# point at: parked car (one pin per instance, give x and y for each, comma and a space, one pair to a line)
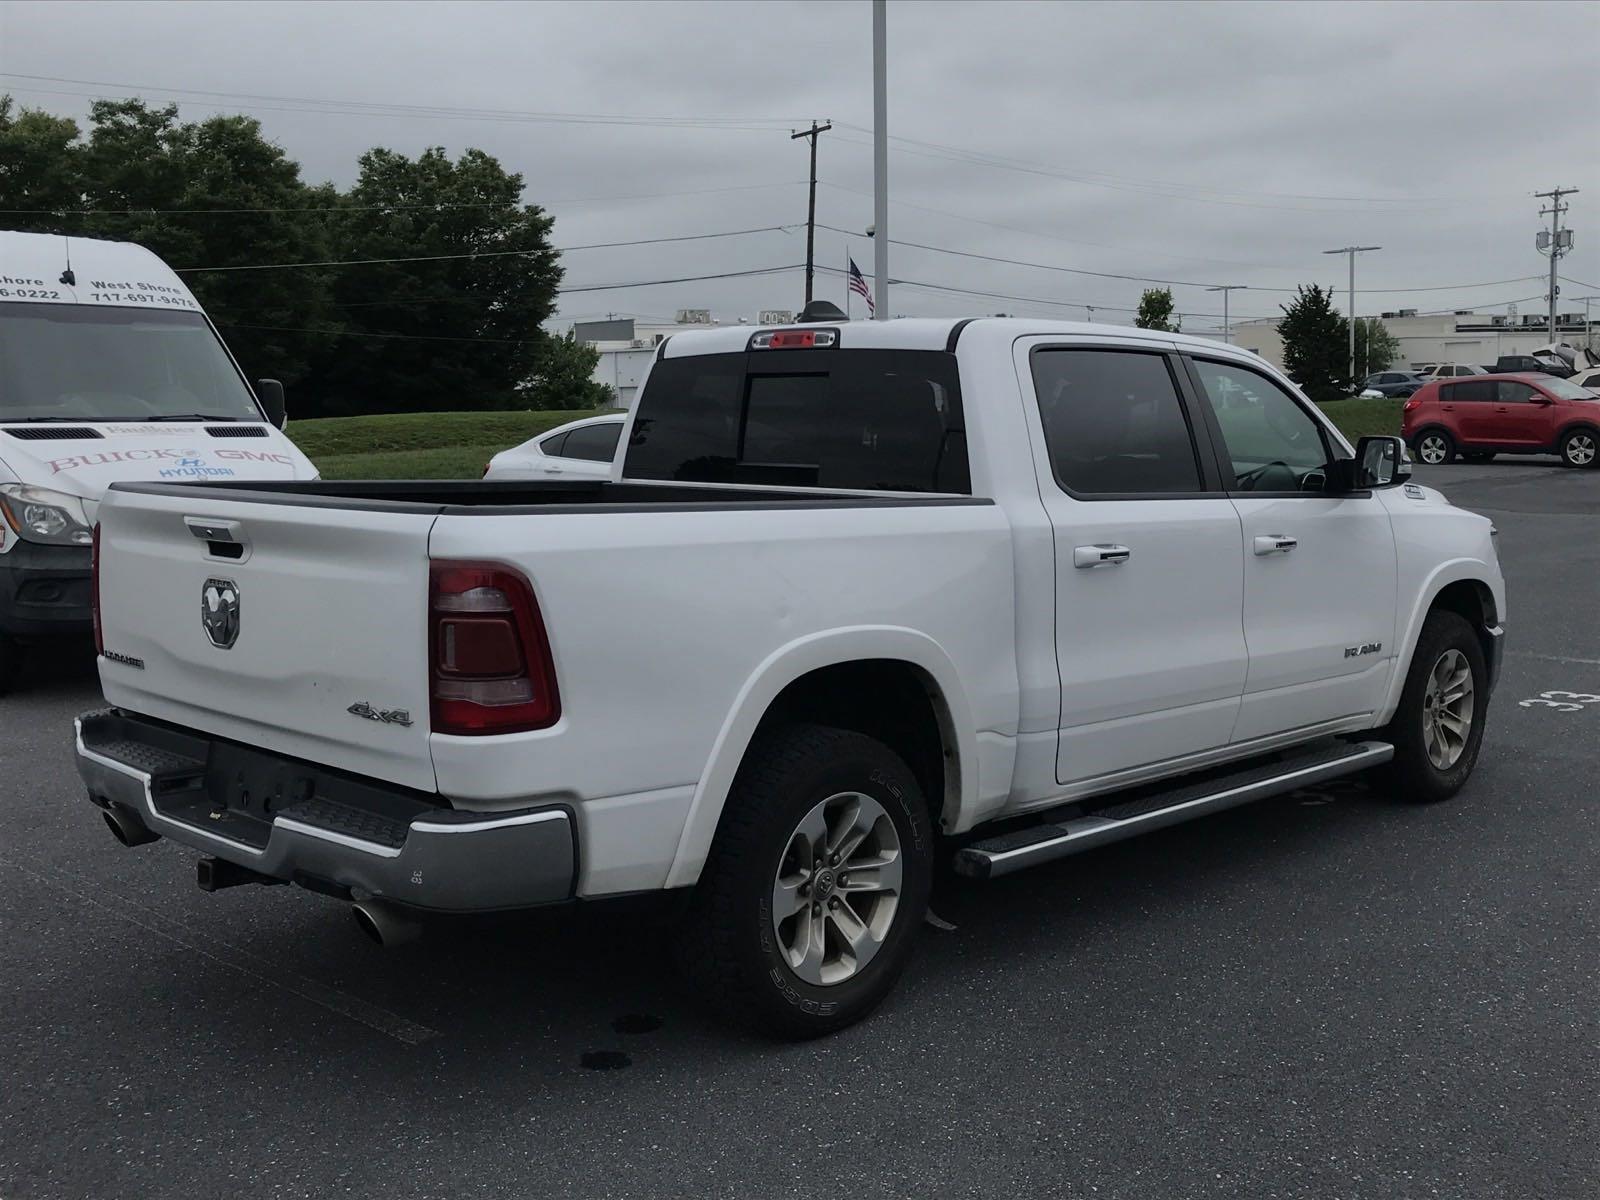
1547, 364
109, 369
1450, 371
1391, 383
1589, 378
861, 594
576, 450
1503, 414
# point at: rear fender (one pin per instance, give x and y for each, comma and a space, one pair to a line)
776, 673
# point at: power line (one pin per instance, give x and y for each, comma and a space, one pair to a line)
1091, 177
377, 108
599, 287
1017, 262
1035, 233
337, 208
367, 262
1071, 177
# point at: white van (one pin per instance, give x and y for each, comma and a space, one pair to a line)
109, 370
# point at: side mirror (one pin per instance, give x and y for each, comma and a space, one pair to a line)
1381, 462
270, 393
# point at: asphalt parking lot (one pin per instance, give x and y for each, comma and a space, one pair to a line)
1324, 996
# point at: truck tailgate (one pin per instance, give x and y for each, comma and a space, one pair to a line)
309, 640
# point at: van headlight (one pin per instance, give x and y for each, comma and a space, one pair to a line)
41, 515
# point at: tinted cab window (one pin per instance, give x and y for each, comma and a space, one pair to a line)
1272, 443
1113, 423
873, 420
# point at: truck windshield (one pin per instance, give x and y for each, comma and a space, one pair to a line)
79, 362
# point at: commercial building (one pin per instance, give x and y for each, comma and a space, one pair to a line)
1476, 339
627, 344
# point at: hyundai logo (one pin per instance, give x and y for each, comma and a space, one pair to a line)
219, 611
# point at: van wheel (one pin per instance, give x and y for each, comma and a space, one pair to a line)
1580, 448
10, 662
816, 886
1438, 728
1435, 447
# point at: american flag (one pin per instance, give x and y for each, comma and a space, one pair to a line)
858, 285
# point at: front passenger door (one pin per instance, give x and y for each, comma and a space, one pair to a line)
1519, 419
1319, 570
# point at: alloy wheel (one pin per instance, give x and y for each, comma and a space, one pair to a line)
1447, 708
1581, 449
1432, 449
837, 889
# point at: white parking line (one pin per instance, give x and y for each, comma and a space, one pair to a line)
1560, 658
242, 961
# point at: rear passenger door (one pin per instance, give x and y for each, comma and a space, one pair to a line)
1148, 561
1319, 570
1472, 404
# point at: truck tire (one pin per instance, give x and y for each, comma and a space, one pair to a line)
10, 662
779, 936
1580, 448
1438, 728
1435, 447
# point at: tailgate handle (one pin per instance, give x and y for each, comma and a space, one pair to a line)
223, 539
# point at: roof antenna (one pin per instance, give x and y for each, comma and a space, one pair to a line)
67, 277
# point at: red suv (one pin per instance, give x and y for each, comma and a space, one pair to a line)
1484, 415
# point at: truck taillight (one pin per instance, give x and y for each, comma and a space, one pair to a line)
489, 656
94, 588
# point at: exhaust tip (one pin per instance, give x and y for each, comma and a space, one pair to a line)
383, 923
128, 829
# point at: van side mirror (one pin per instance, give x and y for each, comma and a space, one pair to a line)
270, 393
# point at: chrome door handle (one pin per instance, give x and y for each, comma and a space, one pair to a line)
1100, 555
1275, 543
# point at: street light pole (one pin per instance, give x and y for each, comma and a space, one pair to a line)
1352, 251
1227, 331
880, 160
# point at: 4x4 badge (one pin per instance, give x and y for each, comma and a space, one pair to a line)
389, 716
219, 611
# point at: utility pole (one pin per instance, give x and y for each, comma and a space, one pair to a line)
1555, 243
1227, 328
811, 207
1352, 251
880, 159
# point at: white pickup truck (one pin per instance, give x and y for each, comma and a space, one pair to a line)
856, 596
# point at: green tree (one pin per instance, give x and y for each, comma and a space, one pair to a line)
563, 376
39, 169
1155, 310
457, 326
1315, 337
1376, 347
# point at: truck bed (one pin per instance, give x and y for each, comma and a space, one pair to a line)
510, 497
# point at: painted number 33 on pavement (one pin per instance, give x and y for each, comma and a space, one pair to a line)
1561, 701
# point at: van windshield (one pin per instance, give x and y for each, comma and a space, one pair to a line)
77, 362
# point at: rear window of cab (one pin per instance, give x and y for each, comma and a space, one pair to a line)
860, 420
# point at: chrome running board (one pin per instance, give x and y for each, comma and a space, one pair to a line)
1145, 809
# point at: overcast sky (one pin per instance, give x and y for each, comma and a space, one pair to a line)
1204, 143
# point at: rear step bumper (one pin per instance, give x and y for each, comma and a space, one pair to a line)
320, 829
1146, 810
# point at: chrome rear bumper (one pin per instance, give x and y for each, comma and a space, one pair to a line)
362, 836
